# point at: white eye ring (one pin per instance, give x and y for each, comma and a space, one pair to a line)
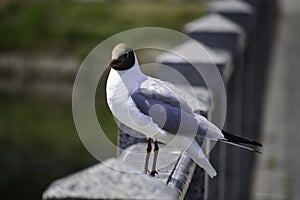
126, 54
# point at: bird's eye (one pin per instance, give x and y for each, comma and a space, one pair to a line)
126, 54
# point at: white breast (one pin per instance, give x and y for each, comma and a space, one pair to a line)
120, 85
116, 93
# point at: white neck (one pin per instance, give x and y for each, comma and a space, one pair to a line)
131, 78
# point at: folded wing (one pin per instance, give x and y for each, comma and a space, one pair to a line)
170, 112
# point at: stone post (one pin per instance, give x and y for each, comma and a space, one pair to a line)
222, 59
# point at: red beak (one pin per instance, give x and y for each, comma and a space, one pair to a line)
112, 63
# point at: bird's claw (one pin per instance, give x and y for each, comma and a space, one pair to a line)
153, 173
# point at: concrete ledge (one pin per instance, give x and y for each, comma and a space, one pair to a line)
201, 58
122, 178
217, 31
240, 12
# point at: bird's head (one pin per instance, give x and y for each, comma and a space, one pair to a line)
123, 57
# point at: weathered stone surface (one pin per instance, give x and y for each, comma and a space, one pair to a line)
213, 22
238, 11
196, 188
182, 174
231, 6
194, 53
188, 60
122, 178
217, 31
134, 156
102, 181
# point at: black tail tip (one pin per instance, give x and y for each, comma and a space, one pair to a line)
236, 139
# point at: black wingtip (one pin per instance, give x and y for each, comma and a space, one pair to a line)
255, 143
258, 151
240, 145
236, 139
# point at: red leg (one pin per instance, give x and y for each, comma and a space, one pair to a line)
153, 171
149, 148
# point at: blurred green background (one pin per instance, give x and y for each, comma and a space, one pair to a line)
42, 43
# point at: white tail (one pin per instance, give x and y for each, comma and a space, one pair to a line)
196, 153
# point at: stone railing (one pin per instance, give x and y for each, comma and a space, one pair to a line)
238, 36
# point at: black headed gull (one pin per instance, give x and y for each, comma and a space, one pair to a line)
148, 106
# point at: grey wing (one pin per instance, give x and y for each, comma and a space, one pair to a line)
157, 89
161, 104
